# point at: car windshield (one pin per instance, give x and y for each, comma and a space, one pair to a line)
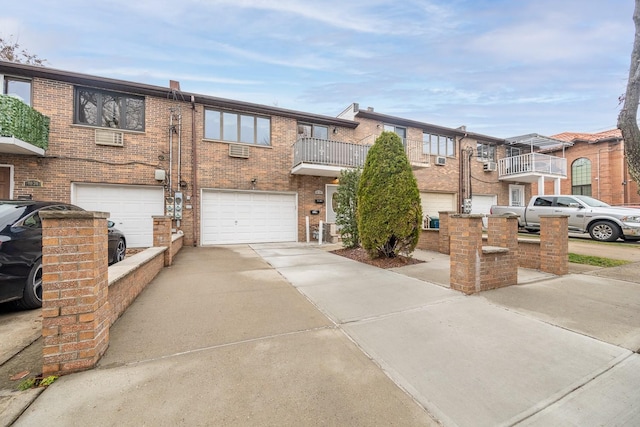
10, 213
590, 201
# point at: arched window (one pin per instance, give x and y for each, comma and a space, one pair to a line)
581, 177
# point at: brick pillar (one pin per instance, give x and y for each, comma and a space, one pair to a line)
444, 235
465, 235
501, 269
162, 236
554, 244
502, 231
75, 283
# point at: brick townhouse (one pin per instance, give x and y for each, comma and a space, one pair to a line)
597, 167
229, 171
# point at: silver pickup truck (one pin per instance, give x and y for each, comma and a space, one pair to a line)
586, 215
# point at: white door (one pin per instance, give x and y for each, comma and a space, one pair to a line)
331, 204
481, 204
230, 217
516, 195
131, 207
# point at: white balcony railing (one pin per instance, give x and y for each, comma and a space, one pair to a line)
345, 154
533, 163
329, 153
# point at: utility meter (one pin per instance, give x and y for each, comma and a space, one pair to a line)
178, 205
169, 206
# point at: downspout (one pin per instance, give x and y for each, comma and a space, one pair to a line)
461, 178
194, 166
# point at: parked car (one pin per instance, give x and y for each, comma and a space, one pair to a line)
586, 215
21, 249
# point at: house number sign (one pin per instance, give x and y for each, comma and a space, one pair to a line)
33, 183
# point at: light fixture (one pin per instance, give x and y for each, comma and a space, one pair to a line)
335, 130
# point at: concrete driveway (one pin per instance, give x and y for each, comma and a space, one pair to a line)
289, 334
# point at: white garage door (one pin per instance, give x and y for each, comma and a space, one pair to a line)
481, 204
130, 207
248, 217
432, 203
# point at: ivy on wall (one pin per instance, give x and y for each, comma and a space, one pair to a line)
20, 121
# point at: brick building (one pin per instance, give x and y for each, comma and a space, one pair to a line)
597, 167
226, 171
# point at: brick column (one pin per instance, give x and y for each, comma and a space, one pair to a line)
75, 306
501, 268
162, 236
465, 235
554, 244
444, 244
502, 231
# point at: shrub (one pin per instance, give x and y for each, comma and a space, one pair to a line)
389, 211
346, 209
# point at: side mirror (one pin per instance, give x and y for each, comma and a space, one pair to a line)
575, 205
110, 224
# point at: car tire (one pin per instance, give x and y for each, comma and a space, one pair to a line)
121, 251
604, 231
32, 294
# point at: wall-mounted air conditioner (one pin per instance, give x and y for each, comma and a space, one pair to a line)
241, 151
109, 137
490, 166
441, 160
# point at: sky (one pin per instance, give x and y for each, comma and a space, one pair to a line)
499, 67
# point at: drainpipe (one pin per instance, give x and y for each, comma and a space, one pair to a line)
194, 166
461, 175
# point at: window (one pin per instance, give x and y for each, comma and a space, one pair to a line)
236, 127
486, 152
513, 151
109, 109
307, 130
18, 88
543, 201
438, 145
401, 132
581, 177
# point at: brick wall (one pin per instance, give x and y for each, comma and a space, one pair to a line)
82, 296
529, 254
607, 172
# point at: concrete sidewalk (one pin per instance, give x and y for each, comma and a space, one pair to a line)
221, 338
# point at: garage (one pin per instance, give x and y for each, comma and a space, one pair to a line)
432, 203
230, 217
481, 204
131, 207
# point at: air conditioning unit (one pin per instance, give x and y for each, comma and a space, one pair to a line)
441, 160
490, 166
109, 137
241, 151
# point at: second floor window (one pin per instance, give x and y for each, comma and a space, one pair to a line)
19, 88
486, 152
438, 145
401, 132
109, 109
236, 127
308, 130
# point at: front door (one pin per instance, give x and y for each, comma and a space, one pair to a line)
516, 195
5, 183
331, 202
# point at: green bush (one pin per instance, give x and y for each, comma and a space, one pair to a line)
346, 209
389, 210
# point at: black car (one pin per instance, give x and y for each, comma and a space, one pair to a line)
21, 249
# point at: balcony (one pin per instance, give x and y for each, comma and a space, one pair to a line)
321, 157
23, 130
532, 167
